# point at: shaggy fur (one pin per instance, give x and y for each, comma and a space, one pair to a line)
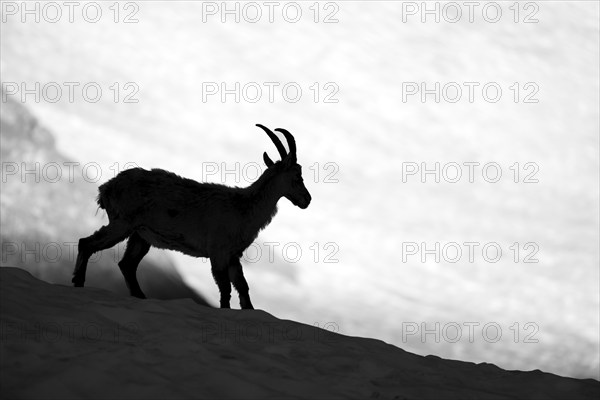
159, 208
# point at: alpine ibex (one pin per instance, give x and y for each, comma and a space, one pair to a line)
161, 209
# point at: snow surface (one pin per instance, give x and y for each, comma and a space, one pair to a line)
65, 342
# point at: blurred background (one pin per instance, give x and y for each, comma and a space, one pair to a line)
154, 85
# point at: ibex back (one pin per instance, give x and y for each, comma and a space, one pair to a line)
161, 209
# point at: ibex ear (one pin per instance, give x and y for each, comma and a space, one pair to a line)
267, 160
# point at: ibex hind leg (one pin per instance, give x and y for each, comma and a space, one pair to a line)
104, 238
236, 276
137, 248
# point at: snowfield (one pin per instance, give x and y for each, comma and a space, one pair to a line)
64, 342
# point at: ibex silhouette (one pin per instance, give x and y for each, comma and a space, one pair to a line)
161, 209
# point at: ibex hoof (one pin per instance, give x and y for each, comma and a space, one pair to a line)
77, 282
246, 305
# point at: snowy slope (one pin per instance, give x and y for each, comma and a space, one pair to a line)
87, 343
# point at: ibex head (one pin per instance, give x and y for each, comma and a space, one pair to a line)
288, 173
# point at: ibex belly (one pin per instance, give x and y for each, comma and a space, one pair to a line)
175, 240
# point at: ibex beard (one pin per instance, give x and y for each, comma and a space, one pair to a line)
161, 209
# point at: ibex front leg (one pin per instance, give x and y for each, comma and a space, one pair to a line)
103, 238
219, 272
236, 276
